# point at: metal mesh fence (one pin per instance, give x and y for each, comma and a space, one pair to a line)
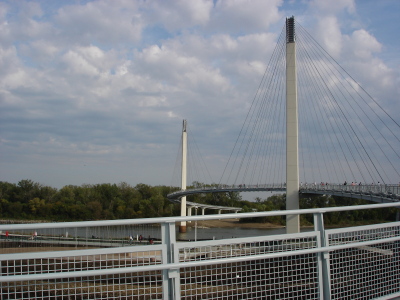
293, 277
107, 286
58, 239
286, 277
116, 286
365, 272
194, 251
112, 262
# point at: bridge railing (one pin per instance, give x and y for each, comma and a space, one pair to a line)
228, 188
100, 260
389, 191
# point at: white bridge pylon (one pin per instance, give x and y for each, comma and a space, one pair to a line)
186, 207
182, 227
292, 131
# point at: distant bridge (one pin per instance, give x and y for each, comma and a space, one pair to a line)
203, 207
326, 128
374, 193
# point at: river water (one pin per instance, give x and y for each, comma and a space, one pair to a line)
226, 233
153, 231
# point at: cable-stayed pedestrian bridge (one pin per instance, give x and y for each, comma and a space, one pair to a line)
309, 121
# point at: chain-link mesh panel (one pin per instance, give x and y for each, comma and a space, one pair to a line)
60, 239
146, 285
365, 272
293, 277
288, 277
109, 286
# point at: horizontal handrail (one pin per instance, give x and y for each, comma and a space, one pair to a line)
194, 218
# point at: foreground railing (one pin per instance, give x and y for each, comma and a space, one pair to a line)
109, 260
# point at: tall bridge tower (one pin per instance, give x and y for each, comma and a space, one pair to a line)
182, 226
292, 133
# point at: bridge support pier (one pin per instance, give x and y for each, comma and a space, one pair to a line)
189, 212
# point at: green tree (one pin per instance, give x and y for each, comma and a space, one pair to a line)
95, 210
144, 190
36, 206
16, 210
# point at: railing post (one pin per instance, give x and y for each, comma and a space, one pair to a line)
323, 259
171, 277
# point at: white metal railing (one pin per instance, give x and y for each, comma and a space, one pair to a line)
374, 189
100, 260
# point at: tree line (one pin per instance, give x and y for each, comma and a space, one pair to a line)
28, 200
343, 218
31, 200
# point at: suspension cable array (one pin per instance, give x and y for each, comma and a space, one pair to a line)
344, 134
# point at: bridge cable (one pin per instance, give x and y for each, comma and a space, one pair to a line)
349, 124
255, 128
260, 149
361, 136
194, 156
353, 80
361, 108
245, 127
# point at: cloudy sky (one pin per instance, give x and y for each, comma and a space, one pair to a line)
96, 91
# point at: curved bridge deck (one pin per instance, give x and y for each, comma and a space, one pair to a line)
375, 193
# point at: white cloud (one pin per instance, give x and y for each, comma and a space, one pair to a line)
115, 22
79, 65
330, 34
185, 72
9, 61
363, 44
333, 7
40, 51
24, 25
243, 16
177, 15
